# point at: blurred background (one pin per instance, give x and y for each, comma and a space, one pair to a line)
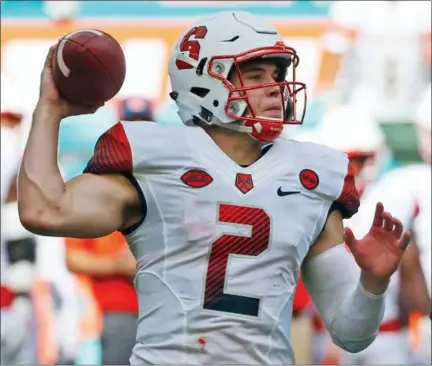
367, 66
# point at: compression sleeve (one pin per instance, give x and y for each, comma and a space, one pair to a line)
351, 315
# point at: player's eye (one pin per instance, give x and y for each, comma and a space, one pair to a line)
256, 77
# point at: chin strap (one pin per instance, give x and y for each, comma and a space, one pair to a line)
262, 131
265, 131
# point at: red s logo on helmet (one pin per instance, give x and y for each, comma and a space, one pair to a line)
191, 46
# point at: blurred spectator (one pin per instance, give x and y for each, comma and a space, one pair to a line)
29, 319
111, 266
135, 109
62, 11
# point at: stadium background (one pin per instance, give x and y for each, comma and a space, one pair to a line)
147, 31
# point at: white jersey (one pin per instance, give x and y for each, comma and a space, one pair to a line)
385, 66
220, 249
406, 193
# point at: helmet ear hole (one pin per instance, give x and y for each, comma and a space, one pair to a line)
201, 92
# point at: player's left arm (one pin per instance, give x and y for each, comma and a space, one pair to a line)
350, 300
351, 313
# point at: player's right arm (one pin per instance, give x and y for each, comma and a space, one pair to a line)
87, 206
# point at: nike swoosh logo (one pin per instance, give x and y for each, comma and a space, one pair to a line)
285, 193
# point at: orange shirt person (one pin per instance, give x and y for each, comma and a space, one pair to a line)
110, 266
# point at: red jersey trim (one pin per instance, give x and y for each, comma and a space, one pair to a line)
348, 202
112, 154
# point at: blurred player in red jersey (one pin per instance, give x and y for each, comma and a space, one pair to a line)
220, 215
407, 190
360, 136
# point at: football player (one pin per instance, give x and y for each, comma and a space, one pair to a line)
360, 136
407, 191
222, 214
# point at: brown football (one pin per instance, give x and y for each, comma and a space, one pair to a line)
89, 67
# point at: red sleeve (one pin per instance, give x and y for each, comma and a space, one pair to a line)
348, 202
112, 153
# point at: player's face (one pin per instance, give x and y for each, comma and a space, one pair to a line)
266, 101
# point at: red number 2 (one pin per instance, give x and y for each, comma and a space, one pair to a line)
191, 46
215, 298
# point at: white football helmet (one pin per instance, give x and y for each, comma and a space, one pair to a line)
351, 130
354, 131
203, 59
